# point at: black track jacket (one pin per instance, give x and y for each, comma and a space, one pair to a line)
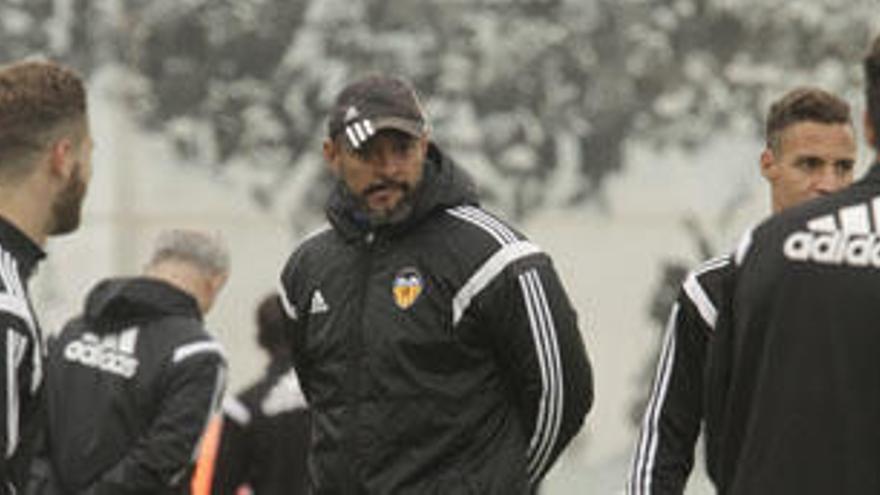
671, 423
21, 365
439, 355
793, 377
131, 385
264, 441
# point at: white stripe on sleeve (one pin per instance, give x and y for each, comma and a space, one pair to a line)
236, 410
188, 350
487, 273
543, 327
15, 348
643, 463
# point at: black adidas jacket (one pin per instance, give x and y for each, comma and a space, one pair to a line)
131, 385
664, 454
21, 377
265, 437
438, 355
793, 375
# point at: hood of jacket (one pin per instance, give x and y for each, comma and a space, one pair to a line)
444, 185
115, 303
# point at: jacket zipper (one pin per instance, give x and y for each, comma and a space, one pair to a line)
355, 370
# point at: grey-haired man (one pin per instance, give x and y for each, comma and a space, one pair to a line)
133, 380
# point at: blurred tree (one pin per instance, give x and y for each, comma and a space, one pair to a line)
537, 97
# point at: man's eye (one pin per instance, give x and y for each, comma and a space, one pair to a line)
810, 163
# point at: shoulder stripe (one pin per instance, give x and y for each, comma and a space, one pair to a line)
286, 304
712, 264
549, 421
646, 451
743, 247
698, 296
188, 350
487, 273
236, 411
478, 217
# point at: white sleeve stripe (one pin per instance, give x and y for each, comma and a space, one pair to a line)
701, 300
188, 350
236, 411
213, 409
487, 273
289, 308
643, 463
559, 396
542, 365
553, 393
744, 244
15, 348
480, 218
15, 302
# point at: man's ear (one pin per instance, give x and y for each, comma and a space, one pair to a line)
331, 156
61, 157
870, 132
768, 164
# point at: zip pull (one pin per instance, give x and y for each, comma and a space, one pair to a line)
370, 237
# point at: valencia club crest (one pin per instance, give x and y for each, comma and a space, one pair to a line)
407, 287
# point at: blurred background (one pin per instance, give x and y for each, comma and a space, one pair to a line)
622, 135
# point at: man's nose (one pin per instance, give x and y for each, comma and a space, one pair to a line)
386, 163
828, 180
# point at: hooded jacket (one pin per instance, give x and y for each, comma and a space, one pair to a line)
131, 385
439, 354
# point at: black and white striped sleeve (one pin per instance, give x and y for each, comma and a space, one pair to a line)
544, 355
20, 364
190, 397
664, 454
519, 300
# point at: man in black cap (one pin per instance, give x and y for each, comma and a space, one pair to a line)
793, 373
435, 344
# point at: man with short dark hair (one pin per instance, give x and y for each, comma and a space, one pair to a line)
133, 380
436, 345
45, 167
810, 151
793, 375
265, 429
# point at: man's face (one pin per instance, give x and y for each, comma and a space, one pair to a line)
810, 160
67, 205
383, 174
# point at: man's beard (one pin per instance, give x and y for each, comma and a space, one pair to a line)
395, 214
67, 206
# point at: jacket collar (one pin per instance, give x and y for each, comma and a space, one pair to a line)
26, 252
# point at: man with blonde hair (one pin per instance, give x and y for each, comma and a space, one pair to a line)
45, 167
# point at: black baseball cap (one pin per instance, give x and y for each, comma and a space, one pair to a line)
374, 103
